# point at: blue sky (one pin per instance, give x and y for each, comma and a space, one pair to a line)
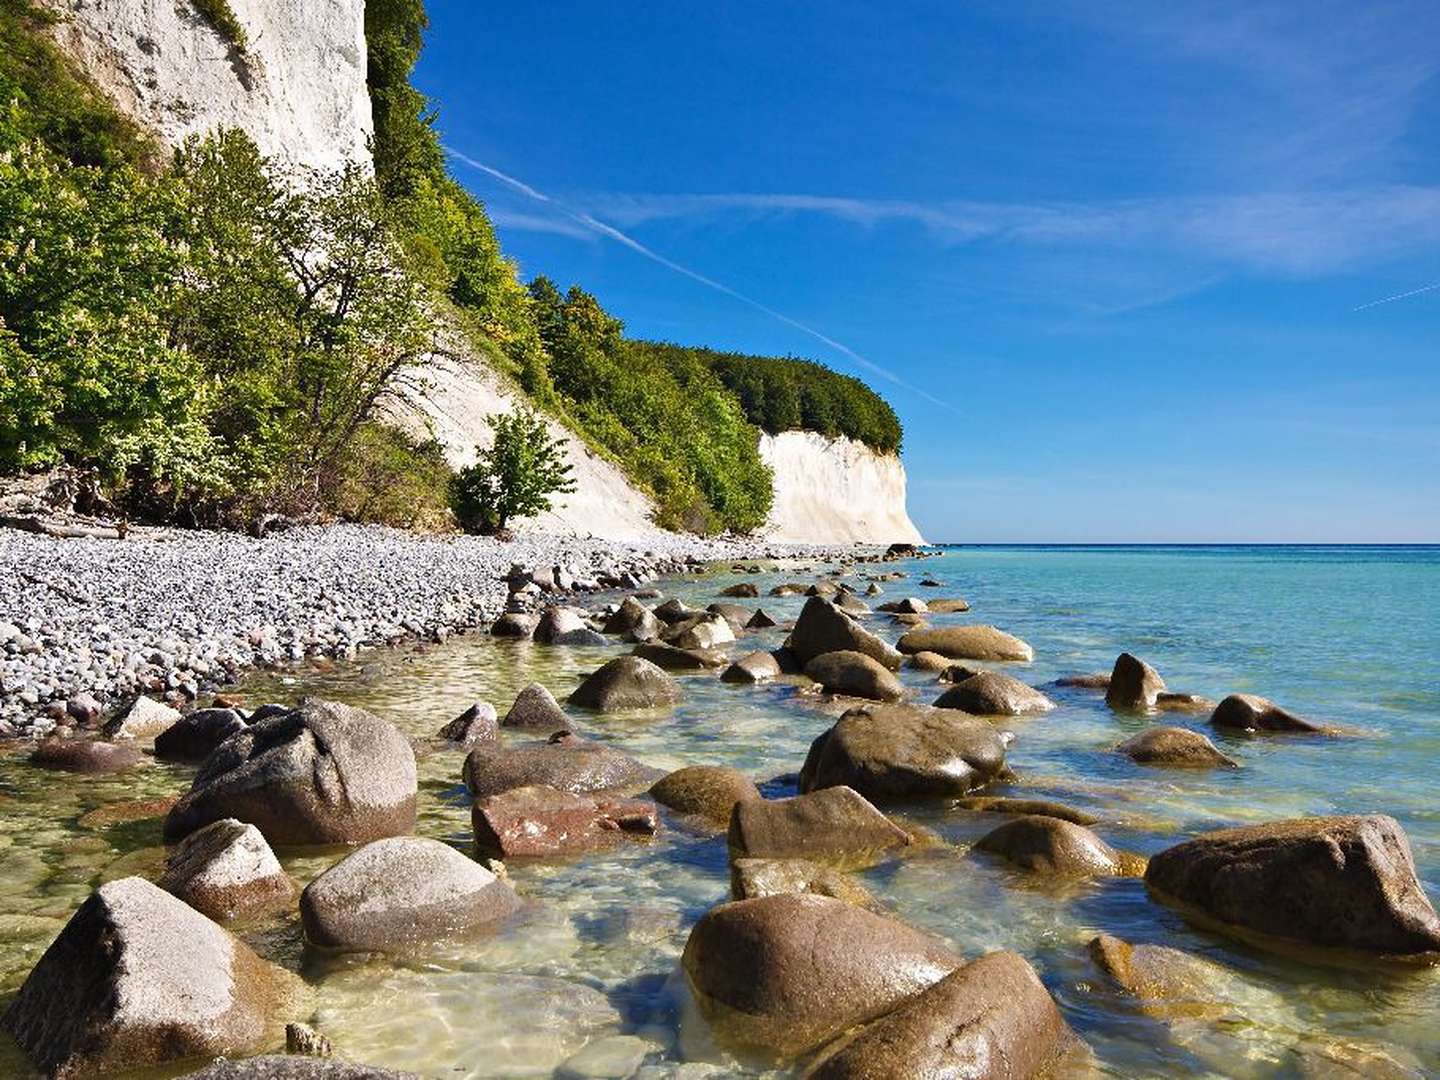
1105, 259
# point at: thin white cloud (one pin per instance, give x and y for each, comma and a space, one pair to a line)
599, 227
1399, 296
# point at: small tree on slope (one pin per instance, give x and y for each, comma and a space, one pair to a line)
514, 478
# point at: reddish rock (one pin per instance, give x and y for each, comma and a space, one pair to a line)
539, 821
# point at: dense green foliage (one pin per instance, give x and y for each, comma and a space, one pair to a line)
514, 477
220, 15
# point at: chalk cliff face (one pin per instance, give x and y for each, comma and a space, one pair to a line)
836, 491
298, 89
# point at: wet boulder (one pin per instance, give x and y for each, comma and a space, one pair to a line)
227, 871
515, 624
402, 892
760, 620
539, 821
836, 825
565, 762
705, 791
929, 661
1049, 845
1134, 684
85, 756
673, 658
856, 675
557, 623
635, 619
948, 606
535, 710
1177, 747
737, 616
1095, 680
478, 724
823, 627
627, 682
674, 611
1000, 804
967, 643
1249, 712
903, 752
744, 590
992, 1019
194, 736
755, 667
911, 605
781, 975
138, 979
144, 719
1166, 982
1184, 703
1344, 883
706, 631
323, 773
753, 878
990, 693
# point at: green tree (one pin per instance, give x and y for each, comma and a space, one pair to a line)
514, 477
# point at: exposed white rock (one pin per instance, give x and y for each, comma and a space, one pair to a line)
298, 88
832, 491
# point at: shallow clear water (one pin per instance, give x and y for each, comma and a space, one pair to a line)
1350, 636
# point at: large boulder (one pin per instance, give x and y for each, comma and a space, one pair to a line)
903, 752
478, 724
402, 892
535, 710
565, 762
745, 589
1249, 712
1334, 882
706, 631
557, 624
540, 821
966, 643
673, 658
991, 1020
755, 667
675, 610
753, 878
627, 682
137, 979
911, 605
515, 624
1175, 746
823, 628
323, 773
227, 871
834, 825
704, 791
856, 675
1051, 845
990, 693
145, 719
196, 735
1134, 684
781, 975
85, 756
635, 619
736, 615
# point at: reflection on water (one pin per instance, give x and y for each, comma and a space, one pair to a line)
1346, 637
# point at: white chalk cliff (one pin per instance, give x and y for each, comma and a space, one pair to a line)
836, 490
299, 91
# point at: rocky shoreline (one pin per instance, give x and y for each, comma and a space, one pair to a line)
87, 624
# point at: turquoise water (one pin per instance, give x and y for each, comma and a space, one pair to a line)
1348, 636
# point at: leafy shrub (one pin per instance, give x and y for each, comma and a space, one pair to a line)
514, 477
220, 15
386, 477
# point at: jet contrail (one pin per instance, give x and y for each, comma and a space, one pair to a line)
601, 228
1399, 296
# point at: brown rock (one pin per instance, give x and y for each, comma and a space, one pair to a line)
633, 618
565, 762
707, 791
627, 682
989, 693
1177, 747
673, 658
1134, 684
928, 661
833, 825
948, 607
85, 756
967, 643
705, 631
540, 821
515, 624
856, 675
911, 605
745, 589
1098, 680
195, 736
753, 878
780, 975
760, 620
1168, 983
1187, 703
1345, 883
477, 724
991, 1020
227, 871
1248, 712
999, 804
145, 719
823, 627
1051, 845
755, 667
536, 710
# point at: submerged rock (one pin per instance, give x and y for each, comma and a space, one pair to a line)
755, 667
566, 762
536, 710
1050, 845
911, 605
627, 682
999, 804
673, 658
707, 791
738, 617
1333, 882
1187, 703
901, 752
834, 825
929, 661
402, 892
138, 979
992, 1019
753, 878
477, 724
704, 631
967, 643
856, 675
540, 821
745, 589
227, 871
85, 756
1168, 983
989, 693
823, 628
1096, 680
323, 773
1249, 712
292, 1067
948, 606
1174, 746
1134, 684
781, 975
196, 735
